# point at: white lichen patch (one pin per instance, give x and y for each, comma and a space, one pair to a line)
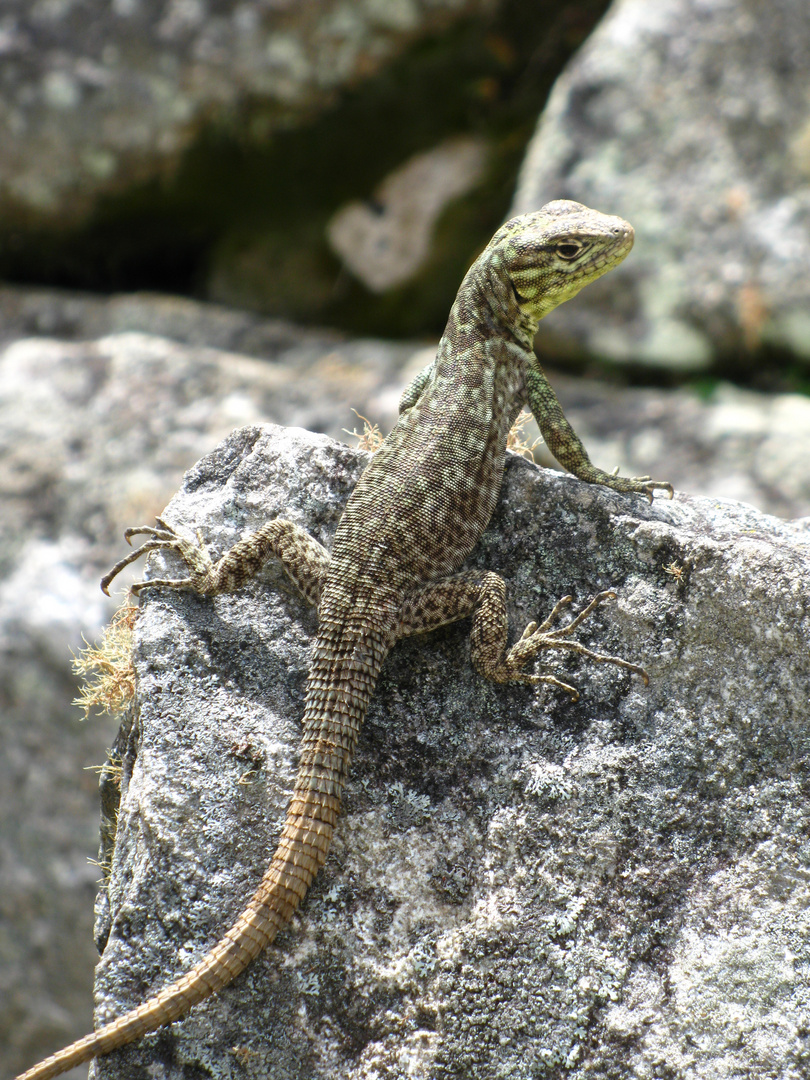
548, 781
565, 923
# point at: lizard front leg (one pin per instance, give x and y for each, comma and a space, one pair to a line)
413, 391
305, 560
482, 594
566, 445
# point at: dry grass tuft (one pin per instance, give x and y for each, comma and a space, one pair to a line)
106, 670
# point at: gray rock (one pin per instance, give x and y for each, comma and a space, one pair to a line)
518, 883
734, 443
98, 97
689, 118
204, 147
48, 797
75, 316
93, 433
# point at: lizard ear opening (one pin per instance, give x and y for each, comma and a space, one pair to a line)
521, 299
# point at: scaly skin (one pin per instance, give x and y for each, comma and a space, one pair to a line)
396, 562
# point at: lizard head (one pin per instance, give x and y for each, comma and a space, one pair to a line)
549, 255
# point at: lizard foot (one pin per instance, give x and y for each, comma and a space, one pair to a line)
536, 638
165, 537
639, 485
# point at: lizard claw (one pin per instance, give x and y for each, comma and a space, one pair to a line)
165, 536
636, 485
534, 680
164, 531
537, 638
645, 485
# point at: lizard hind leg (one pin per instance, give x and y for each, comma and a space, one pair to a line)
495, 661
482, 594
305, 560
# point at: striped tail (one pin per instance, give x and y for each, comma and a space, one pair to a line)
337, 697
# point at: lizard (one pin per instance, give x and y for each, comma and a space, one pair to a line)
396, 562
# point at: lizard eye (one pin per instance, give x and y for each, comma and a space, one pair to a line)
569, 249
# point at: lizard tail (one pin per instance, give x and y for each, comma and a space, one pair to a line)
332, 722
301, 852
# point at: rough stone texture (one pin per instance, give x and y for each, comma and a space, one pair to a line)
98, 95
691, 118
733, 443
202, 146
520, 885
48, 802
75, 316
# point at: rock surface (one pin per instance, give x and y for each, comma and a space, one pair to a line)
690, 118
217, 149
731, 442
519, 884
95, 436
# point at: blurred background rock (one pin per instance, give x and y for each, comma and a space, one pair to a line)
218, 212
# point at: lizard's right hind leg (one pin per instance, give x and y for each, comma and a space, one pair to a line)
482, 594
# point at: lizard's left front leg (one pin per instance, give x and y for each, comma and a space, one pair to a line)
305, 560
566, 445
482, 594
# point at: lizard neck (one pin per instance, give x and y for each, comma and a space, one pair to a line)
487, 309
